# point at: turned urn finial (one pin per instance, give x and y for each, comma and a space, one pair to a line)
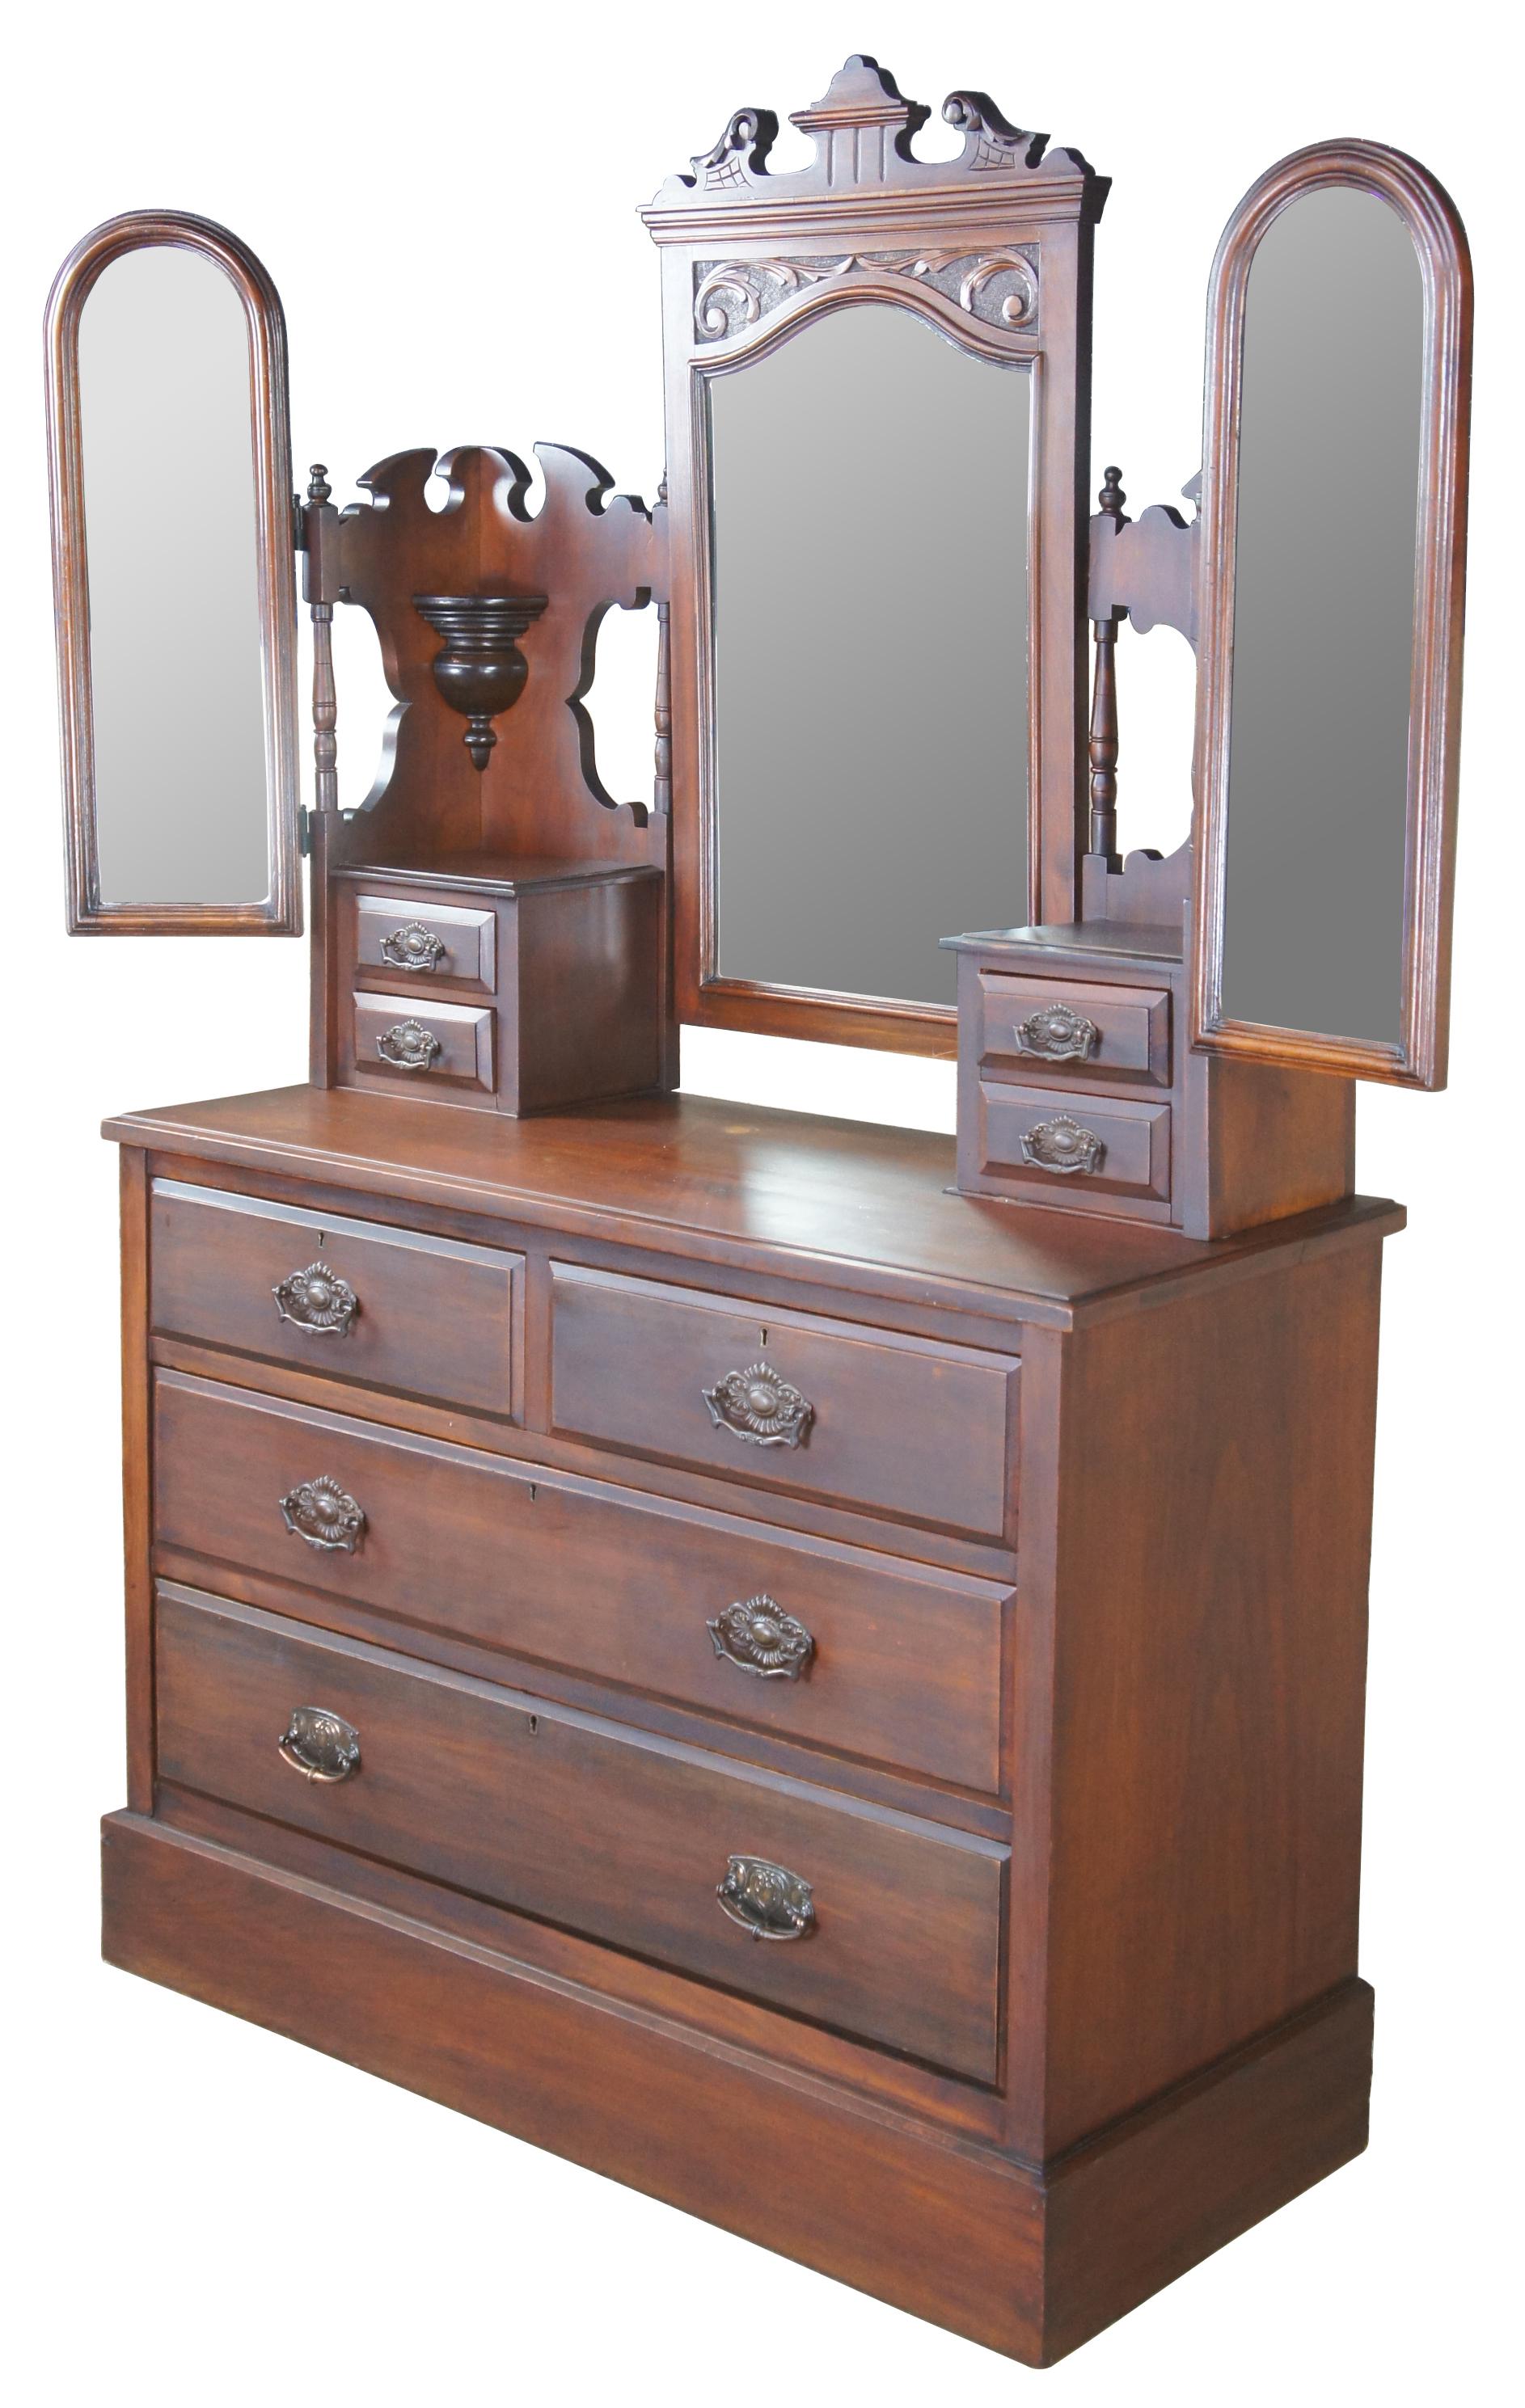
480, 671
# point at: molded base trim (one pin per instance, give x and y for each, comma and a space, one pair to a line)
1028, 2263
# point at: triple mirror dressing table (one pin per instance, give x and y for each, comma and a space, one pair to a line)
626, 1634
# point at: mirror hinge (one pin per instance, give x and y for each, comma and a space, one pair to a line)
304, 830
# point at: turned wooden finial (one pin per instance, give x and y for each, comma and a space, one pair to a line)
318, 488
1112, 496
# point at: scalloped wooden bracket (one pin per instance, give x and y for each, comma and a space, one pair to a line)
590, 551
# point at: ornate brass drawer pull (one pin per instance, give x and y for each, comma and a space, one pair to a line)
767, 1900
760, 1638
1063, 1145
318, 1301
414, 947
758, 1407
408, 1045
320, 1746
321, 1513
1056, 1034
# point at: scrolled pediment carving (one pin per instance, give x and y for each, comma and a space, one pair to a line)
863, 128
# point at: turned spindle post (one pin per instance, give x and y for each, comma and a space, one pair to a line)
319, 519
1103, 748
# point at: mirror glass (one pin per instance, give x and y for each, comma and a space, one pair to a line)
1324, 620
176, 699
868, 497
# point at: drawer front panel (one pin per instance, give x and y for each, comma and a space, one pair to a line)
430, 1316
1066, 1029
431, 944
410, 1040
857, 1416
902, 1668
1076, 1146
572, 1820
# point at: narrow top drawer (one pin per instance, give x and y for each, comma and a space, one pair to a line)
921, 1431
1107, 1032
352, 1299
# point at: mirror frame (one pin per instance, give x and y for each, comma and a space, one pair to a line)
280, 912
865, 193
1420, 1057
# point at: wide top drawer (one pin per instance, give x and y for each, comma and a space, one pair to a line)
352, 1299
919, 1431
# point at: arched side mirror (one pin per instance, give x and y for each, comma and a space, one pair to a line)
1334, 530
172, 514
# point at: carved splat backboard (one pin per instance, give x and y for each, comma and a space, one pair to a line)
586, 552
993, 248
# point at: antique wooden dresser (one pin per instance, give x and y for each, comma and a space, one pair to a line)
814, 1670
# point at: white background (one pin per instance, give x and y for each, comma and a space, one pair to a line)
446, 199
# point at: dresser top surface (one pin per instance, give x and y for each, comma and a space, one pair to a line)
852, 1203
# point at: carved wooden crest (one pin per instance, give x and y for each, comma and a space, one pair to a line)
539, 792
863, 128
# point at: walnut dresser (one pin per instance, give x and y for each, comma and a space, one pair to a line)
629, 1637
815, 1670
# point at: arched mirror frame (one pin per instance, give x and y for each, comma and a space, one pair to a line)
866, 193
280, 914
1419, 1058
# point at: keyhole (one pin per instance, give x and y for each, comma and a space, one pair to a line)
762, 1341
534, 1724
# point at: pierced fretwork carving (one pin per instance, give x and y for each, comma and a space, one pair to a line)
588, 550
999, 287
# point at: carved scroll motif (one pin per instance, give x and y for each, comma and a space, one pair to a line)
997, 287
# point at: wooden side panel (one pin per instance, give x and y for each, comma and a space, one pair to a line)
136, 1477
1215, 1499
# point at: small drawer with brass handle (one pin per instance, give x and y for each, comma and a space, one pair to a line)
450, 1044
324, 1514
316, 1301
1080, 1146
640, 1842
915, 1428
1034, 1024
320, 1746
448, 945
760, 1638
221, 1273
767, 1901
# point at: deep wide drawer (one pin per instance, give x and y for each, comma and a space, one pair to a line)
921, 1431
351, 1300
580, 1823
902, 1663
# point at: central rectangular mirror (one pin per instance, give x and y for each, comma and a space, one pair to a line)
878, 386
870, 662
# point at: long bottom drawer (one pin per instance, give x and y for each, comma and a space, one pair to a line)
883, 1927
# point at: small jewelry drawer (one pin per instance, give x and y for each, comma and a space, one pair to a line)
1074, 1146
410, 1042
883, 1927
918, 1430
352, 1299
431, 944
1059, 1027
828, 1646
